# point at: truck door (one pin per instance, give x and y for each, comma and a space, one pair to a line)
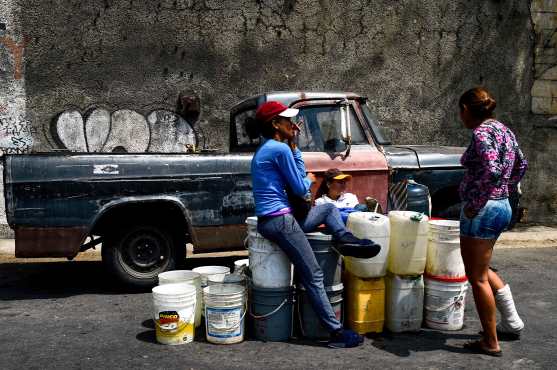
321, 142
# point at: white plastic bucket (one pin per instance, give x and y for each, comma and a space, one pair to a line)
188, 277
444, 230
444, 259
174, 313
404, 303
408, 243
269, 265
229, 279
374, 226
444, 304
225, 310
215, 272
240, 265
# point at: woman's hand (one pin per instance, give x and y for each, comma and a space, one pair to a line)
311, 177
470, 213
292, 144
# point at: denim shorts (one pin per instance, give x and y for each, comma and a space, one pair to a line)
489, 223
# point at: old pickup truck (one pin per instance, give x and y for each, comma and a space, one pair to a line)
144, 208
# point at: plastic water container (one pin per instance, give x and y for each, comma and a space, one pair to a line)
444, 304
418, 198
225, 310
174, 313
408, 243
327, 258
271, 310
269, 265
188, 277
374, 226
310, 324
365, 303
404, 303
213, 272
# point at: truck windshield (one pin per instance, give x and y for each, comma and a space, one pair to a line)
320, 128
379, 132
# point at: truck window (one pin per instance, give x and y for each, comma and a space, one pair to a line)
322, 123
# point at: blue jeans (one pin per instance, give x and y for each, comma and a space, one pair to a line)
489, 223
290, 237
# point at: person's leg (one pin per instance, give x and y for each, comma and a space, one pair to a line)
326, 214
510, 323
286, 232
495, 281
476, 254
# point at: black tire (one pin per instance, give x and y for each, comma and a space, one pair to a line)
137, 254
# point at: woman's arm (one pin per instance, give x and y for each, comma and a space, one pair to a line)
291, 166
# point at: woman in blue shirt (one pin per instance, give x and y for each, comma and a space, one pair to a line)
278, 171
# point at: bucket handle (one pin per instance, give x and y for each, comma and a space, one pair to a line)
258, 317
234, 327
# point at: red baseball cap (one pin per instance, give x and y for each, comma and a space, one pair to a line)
272, 109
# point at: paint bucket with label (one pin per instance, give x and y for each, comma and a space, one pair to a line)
214, 272
225, 310
269, 265
188, 277
174, 313
444, 303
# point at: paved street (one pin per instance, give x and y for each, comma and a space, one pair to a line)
71, 315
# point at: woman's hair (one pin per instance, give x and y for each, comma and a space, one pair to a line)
479, 102
322, 189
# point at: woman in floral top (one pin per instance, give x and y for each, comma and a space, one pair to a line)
494, 165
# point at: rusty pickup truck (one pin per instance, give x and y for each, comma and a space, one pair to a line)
145, 208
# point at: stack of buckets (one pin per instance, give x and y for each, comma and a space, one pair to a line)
176, 306
364, 278
331, 265
445, 282
271, 289
406, 265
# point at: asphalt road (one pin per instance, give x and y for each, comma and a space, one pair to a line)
68, 315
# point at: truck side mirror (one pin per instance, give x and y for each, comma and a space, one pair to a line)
345, 125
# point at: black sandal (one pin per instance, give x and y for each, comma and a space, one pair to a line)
477, 347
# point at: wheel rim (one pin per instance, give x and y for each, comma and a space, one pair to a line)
144, 253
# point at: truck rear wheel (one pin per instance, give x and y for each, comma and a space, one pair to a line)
137, 254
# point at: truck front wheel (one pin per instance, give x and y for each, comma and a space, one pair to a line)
137, 254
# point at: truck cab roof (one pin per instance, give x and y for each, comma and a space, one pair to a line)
290, 97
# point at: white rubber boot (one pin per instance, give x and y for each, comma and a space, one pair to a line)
510, 321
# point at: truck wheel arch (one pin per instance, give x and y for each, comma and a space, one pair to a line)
127, 211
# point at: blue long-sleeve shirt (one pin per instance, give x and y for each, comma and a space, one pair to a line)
274, 168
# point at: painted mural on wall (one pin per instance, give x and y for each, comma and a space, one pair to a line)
123, 130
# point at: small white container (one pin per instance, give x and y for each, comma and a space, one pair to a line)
404, 302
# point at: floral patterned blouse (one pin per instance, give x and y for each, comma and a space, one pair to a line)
494, 165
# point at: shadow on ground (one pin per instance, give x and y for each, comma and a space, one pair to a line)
43, 280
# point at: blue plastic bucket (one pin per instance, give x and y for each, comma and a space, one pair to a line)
327, 258
310, 325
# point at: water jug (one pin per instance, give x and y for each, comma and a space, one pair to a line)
374, 226
408, 243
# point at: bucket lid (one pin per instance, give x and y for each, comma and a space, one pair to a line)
228, 279
445, 224
174, 289
182, 275
242, 262
209, 270
223, 289
319, 236
252, 221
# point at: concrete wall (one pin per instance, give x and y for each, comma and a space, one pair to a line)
90, 74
